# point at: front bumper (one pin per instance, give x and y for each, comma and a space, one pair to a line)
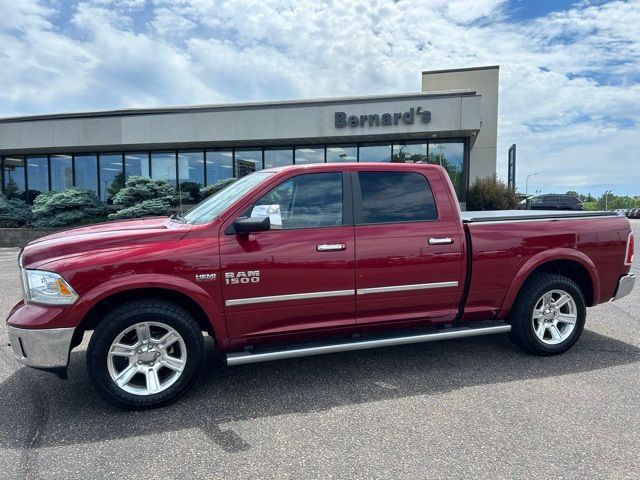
45, 349
625, 285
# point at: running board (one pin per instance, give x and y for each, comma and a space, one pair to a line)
242, 358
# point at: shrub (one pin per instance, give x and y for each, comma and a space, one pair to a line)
216, 187
73, 206
146, 208
144, 197
139, 189
14, 213
190, 191
491, 194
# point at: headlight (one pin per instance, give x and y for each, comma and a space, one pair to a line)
47, 287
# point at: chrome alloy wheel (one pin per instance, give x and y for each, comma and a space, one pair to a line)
147, 358
554, 317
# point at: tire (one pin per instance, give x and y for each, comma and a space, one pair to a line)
537, 310
127, 347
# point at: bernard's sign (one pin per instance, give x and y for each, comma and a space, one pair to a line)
384, 119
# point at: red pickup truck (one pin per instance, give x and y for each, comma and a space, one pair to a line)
306, 260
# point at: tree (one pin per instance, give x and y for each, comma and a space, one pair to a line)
11, 189
14, 212
490, 194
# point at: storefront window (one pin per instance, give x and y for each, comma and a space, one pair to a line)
163, 166
450, 155
409, 152
306, 155
136, 164
38, 174
13, 175
111, 175
342, 153
278, 157
219, 165
248, 161
86, 171
375, 153
191, 173
61, 172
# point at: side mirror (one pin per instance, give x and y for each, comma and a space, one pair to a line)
251, 225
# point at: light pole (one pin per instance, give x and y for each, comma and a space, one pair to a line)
526, 183
606, 199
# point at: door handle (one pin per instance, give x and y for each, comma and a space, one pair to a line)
330, 247
440, 241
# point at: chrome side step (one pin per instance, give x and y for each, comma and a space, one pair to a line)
242, 358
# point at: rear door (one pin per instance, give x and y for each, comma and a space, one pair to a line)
300, 274
409, 251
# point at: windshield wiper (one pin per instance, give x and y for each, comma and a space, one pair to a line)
178, 217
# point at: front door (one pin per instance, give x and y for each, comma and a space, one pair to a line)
409, 255
299, 275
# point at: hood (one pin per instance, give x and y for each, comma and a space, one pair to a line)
102, 236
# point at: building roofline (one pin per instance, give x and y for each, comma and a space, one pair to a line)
465, 69
236, 106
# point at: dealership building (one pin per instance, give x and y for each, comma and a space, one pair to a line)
451, 122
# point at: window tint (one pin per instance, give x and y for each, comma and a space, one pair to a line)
396, 197
305, 201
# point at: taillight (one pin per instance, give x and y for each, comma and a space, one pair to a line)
628, 258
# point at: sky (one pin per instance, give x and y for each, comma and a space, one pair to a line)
569, 70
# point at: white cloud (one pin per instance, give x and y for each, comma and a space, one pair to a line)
570, 93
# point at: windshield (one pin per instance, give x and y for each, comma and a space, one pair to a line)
213, 206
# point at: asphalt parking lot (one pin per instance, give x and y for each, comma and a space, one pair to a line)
456, 409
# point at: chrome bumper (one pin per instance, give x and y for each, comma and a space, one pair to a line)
625, 285
46, 349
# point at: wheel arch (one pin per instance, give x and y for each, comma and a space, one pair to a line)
569, 263
94, 315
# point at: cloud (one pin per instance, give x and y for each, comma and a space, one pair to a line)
570, 80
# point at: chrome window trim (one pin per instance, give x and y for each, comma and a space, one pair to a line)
293, 296
402, 288
338, 293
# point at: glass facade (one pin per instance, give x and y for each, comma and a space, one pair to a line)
106, 173
136, 164
450, 155
374, 152
13, 177
342, 153
38, 173
163, 166
248, 161
219, 165
311, 154
61, 172
86, 171
407, 152
278, 157
111, 175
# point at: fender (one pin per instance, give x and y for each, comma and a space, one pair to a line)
154, 280
544, 257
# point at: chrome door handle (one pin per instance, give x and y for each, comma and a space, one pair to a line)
330, 247
440, 241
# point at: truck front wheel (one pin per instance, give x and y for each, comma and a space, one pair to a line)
145, 354
548, 315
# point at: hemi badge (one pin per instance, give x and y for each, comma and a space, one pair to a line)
205, 277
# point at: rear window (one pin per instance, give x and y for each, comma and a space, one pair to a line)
392, 197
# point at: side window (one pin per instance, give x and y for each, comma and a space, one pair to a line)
305, 201
389, 197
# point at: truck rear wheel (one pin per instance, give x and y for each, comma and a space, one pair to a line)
549, 314
145, 354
